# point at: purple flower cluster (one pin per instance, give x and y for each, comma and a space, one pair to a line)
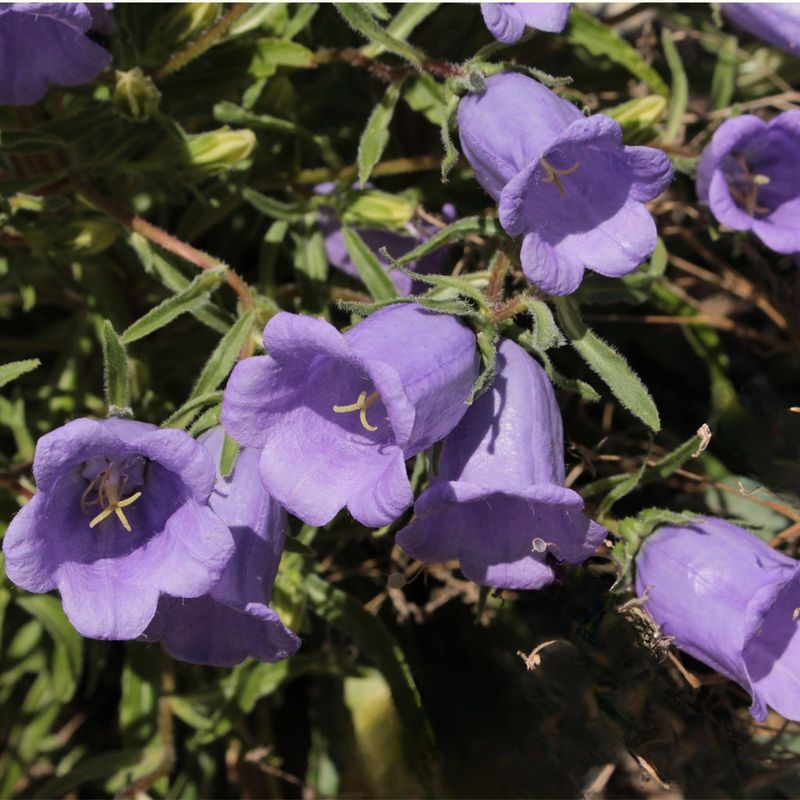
46, 43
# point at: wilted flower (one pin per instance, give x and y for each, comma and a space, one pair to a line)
121, 516
397, 244
44, 43
731, 601
747, 175
776, 23
507, 21
337, 415
563, 181
498, 502
233, 620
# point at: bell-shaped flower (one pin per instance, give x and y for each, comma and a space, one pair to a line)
396, 243
234, 619
747, 176
337, 415
775, 23
731, 601
44, 43
562, 181
121, 516
498, 502
507, 21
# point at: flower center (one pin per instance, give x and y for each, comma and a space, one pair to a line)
108, 488
744, 185
361, 405
554, 175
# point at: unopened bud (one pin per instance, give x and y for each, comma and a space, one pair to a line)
217, 151
373, 208
135, 95
637, 117
90, 236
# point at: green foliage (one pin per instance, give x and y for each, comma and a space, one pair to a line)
174, 200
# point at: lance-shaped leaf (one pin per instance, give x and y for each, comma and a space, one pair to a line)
468, 226
359, 18
403, 24
11, 371
608, 364
188, 299
378, 283
115, 369
376, 134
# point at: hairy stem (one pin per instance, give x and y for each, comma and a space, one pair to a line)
167, 241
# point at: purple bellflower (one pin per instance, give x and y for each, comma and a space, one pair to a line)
731, 601
337, 415
233, 620
121, 516
44, 43
564, 182
775, 23
498, 502
507, 21
747, 176
397, 244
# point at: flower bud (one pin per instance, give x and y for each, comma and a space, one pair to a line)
135, 95
216, 151
373, 208
638, 116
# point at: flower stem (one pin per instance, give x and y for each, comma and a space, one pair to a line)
168, 242
203, 42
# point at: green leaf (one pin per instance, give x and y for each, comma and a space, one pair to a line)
425, 95
546, 334
602, 41
403, 24
608, 364
47, 610
656, 472
378, 10
723, 81
188, 299
155, 263
275, 209
228, 456
271, 53
359, 18
679, 96
468, 226
376, 133
370, 270
14, 369
138, 704
221, 361
310, 262
348, 615
189, 409
116, 380
90, 770
28, 141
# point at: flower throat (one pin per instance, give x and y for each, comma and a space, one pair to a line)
108, 487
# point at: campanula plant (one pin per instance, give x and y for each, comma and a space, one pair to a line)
233, 620
336, 416
507, 21
747, 176
43, 44
498, 503
562, 181
729, 600
121, 517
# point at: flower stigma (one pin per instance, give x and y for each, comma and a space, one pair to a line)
361, 405
744, 187
108, 489
554, 174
